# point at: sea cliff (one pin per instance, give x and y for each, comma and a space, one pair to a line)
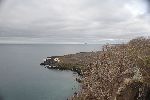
117, 72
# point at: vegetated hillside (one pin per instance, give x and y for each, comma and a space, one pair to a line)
120, 72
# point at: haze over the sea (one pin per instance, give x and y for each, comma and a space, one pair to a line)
73, 21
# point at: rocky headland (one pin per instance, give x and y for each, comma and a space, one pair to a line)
117, 72
74, 62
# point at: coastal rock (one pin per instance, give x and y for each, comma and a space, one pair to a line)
118, 72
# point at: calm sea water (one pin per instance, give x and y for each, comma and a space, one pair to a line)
22, 77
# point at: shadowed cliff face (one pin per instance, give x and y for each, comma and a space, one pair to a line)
135, 91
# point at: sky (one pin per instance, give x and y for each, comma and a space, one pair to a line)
73, 21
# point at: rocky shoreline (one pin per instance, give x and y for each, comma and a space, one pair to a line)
117, 72
74, 62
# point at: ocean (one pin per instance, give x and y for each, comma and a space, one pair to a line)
22, 77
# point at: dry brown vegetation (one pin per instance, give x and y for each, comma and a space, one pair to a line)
120, 72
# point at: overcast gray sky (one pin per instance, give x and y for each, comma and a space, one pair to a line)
73, 21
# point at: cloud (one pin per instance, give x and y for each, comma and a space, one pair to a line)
148, 5
0, 3
77, 20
